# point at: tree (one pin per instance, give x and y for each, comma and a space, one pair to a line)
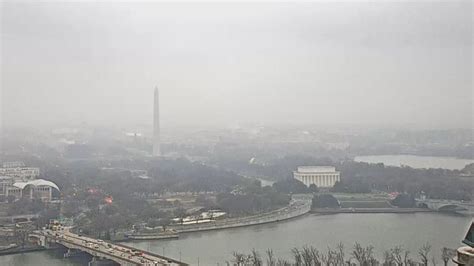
45, 216
404, 201
290, 186
239, 259
363, 255
424, 252
388, 258
270, 258
325, 201
400, 256
297, 256
153, 223
313, 188
446, 255
164, 222
255, 259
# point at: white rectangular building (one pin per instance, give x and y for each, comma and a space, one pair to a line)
321, 176
28, 173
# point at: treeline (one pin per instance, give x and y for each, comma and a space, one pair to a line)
252, 199
91, 185
359, 255
359, 177
86, 184
435, 183
166, 175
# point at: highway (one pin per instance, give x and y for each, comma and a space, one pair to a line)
99, 248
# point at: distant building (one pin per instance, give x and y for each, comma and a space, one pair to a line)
13, 164
31, 189
321, 176
19, 170
19, 181
156, 124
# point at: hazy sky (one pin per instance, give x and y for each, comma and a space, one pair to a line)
400, 63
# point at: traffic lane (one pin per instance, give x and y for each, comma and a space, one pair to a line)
106, 248
99, 247
101, 250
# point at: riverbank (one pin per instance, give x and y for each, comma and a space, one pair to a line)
319, 231
368, 210
298, 207
151, 237
20, 250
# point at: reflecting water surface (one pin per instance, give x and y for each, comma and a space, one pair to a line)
416, 161
383, 231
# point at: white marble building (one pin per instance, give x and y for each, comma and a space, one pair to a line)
321, 176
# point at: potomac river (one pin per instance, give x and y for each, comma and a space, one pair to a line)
383, 231
416, 161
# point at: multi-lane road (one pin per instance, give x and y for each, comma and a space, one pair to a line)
119, 253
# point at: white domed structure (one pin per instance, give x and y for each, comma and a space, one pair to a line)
37, 188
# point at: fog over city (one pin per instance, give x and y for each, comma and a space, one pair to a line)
399, 63
236, 133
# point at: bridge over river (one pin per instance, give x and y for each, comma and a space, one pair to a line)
466, 207
99, 249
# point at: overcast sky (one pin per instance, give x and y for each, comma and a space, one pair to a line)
391, 63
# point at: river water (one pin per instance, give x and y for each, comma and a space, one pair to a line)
416, 161
383, 231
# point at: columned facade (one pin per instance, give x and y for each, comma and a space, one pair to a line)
321, 176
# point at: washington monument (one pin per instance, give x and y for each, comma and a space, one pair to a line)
156, 124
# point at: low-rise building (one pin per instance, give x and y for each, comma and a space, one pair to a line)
321, 176
19, 181
31, 189
19, 170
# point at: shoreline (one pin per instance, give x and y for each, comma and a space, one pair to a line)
23, 250
299, 208
368, 210
237, 226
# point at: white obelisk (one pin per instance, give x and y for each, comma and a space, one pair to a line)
156, 124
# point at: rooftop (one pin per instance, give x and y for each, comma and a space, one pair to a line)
13, 164
36, 182
316, 169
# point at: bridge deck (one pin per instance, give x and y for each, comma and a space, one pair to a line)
119, 253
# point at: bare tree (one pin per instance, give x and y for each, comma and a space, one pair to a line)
340, 254
270, 258
282, 262
297, 256
331, 257
423, 253
316, 257
388, 258
365, 256
406, 258
255, 259
447, 254
307, 256
397, 255
239, 259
